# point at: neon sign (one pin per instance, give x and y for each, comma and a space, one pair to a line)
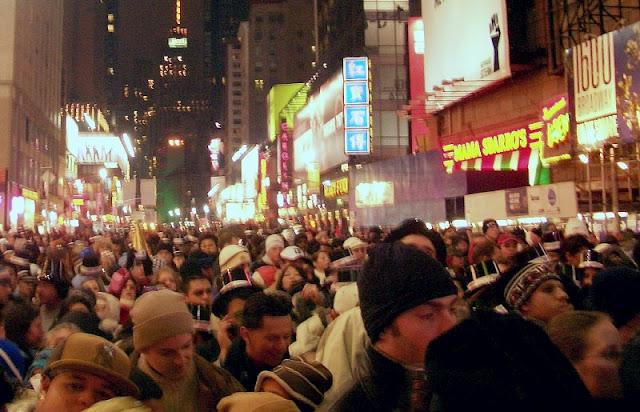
214, 153
284, 159
556, 143
512, 140
264, 183
337, 188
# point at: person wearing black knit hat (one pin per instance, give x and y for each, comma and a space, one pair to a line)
615, 292
406, 300
414, 232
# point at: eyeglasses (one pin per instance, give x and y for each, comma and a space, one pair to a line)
492, 224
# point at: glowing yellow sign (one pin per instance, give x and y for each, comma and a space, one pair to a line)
337, 188
555, 117
30, 194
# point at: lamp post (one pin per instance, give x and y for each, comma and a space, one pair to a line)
103, 180
206, 210
604, 189
625, 168
615, 206
585, 158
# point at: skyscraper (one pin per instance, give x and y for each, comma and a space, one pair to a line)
30, 90
164, 80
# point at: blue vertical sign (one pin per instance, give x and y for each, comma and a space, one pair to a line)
357, 105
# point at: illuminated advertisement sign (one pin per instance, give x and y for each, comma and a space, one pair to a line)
250, 172
215, 149
604, 88
264, 182
357, 123
319, 129
177, 42
313, 178
284, 159
498, 150
374, 194
592, 86
337, 188
466, 48
93, 148
626, 42
416, 81
556, 144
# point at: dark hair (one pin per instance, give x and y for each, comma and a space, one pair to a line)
517, 365
225, 238
574, 244
260, 305
164, 246
459, 238
280, 276
146, 263
208, 236
483, 249
83, 296
18, 317
184, 285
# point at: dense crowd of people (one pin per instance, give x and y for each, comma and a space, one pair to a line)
244, 318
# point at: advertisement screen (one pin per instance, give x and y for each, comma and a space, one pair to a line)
556, 139
98, 148
318, 134
604, 88
466, 48
250, 173
216, 147
505, 148
416, 81
374, 194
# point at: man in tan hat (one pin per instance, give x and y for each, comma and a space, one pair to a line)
163, 340
81, 371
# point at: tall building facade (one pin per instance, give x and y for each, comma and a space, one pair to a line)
280, 45
30, 90
237, 91
377, 30
164, 78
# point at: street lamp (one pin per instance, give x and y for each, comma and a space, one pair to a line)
625, 168
177, 211
584, 158
103, 180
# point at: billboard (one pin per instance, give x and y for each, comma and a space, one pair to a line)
284, 158
466, 48
627, 66
216, 156
93, 148
556, 200
603, 80
357, 106
504, 148
591, 83
416, 81
250, 172
556, 142
374, 194
318, 135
